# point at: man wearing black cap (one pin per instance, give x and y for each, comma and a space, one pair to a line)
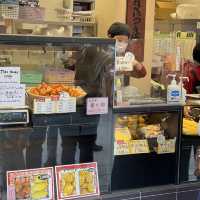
121, 33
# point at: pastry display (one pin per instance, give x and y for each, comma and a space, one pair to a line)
48, 90
189, 127
151, 131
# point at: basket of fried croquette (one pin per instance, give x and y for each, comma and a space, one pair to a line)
45, 90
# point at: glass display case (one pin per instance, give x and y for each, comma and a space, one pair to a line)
53, 128
146, 146
189, 162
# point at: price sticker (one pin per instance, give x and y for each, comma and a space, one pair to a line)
138, 146
168, 147
121, 148
161, 139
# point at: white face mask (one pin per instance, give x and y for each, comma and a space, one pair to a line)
121, 47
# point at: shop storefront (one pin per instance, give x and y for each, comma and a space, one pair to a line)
64, 90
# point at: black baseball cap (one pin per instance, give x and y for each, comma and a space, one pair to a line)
118, 28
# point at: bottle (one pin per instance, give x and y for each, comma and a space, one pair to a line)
173, 91
118, 91
182, 89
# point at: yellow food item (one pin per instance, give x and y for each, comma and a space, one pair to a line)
151, 131
90, 188
69, 177
68, 190
189, 127
68, 183
39, 188
86, 180
122, 134
43, 186
39, 195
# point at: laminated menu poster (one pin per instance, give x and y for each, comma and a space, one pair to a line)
77, 181
33, 184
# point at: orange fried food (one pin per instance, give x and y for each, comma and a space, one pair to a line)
55, 89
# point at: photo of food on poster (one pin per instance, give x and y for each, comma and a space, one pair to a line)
33, 184
77, 181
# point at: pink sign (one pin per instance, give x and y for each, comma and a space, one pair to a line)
97, 106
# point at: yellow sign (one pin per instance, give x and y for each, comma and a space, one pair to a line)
168, 147
138, 146
185, 35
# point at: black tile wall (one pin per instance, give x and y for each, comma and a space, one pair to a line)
161, 197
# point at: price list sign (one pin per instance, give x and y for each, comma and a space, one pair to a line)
12, 95
139, 146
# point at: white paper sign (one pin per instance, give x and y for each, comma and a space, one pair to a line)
123, 64
97, 106
67, 105
48, 106
12, 95
9, 74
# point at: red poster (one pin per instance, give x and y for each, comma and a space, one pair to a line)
77, 181
135, 18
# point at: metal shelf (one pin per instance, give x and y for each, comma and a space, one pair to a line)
67, 23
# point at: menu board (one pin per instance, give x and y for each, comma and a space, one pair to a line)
31, 184
49, 105
12, 94
77, 181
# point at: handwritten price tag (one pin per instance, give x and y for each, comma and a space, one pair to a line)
97, 106
123, 64
138, 146
9, 74
168, 147
12, 95
121, 148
